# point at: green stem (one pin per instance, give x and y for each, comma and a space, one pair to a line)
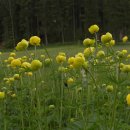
92, 78
115, 99
38, 103
61, 101
5, 122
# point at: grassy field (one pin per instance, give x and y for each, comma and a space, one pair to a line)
57, 95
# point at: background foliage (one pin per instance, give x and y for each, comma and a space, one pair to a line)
61, 20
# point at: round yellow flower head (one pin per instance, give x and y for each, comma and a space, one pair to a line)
16, 63
29, 73
36, 64
112, 42
62, 54
89, 51
47, 62
12, 54
78, 61
11, 79
22, 45
42, 56
2, 95
60, 59
125, 39
124, 52
35, 41
106, 38
32, 54
71, 60
121, 65
100, 54
70, 81
51, 107
13, 95
10, 59
93, 29
16, 76
85, 65
26, 65
78, 89
62, 69
72, 120
88, 42
125, 68
128, 56
128, 99
109, 88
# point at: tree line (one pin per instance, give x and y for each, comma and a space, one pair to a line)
61, 20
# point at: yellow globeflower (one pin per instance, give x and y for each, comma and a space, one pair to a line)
125, 68
16, 76
2, 95
112, 42
93, 29
62, 54
89, 51
12, 54
13, 95
10, 59
100, 54
15, 63
22, 45
30, 74
36, 64
88, 42
70, 81
47, 62
42, 56
85, 65
26, 65
60, 59
106, 38
128, 99
79, 61
35, 41
128, 56
71, 60
109, 88
125, 39
124, 52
